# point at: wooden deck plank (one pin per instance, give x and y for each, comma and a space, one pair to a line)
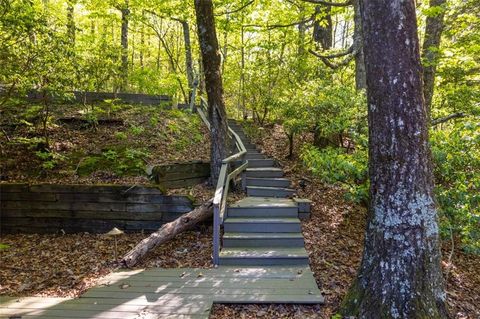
213, 282
173, 293
113, 291
76, 308
234, 272
164, 316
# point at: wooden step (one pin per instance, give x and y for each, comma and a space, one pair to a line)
246, 256
263, 212
264, 172
263, 240
268, 182
262, 225
254, 155
263, 207
261, 162
263, 191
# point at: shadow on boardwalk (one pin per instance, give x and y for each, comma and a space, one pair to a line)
172, 293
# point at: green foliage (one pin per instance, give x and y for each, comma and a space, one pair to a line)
136, 130
456, 154
120, 160
49, 159
335, 166
121, 136
4, 246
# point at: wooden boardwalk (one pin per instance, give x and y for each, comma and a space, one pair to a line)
172, 293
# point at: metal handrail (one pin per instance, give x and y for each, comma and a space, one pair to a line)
223, 183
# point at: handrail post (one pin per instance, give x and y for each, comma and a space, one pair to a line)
216, 233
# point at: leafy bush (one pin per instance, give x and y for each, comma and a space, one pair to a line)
335, 166
121, 161
456, 157
50, 159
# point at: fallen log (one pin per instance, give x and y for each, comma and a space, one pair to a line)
167, 232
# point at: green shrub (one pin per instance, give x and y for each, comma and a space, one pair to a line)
335, 166
456, 158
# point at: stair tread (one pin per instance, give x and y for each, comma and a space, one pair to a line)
264, 169
262, 235
263, 202
262, 252
270, 178
256, 220
271, 188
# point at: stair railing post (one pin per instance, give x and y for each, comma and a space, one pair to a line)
216, 233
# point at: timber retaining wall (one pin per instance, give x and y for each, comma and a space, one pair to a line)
46, 208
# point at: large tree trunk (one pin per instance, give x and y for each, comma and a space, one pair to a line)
360, 75
400, 274
124, 42
430, 50
167, 232
213, 81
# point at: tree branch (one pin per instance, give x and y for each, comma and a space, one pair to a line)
235, 10
447, 118
335, 55
331, 4
332, 65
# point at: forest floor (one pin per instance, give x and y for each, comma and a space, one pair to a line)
103, 144
67, 265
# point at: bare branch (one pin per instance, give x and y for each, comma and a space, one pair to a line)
448, 118
335, 55
235, 10
332, 65
331, 4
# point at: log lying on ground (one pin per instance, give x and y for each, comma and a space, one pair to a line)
167, 232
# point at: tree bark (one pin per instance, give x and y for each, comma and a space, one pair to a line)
360, 75
188, 56
71, 22
167, 232
430, 51
124, 42
323, 27
400, 274
213, 81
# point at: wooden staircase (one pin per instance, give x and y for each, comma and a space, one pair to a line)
263, 229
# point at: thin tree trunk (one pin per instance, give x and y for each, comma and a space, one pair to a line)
242, 73
71, 22
360, 75
430, 52
323, 27
158, 54
167, 232
132, 63
302, 28
213, 80
142, 42
400, 274
225, 43
188, 56
124, 42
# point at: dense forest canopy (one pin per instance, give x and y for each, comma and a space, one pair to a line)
296, 63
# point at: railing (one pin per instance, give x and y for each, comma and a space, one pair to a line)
224, 179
